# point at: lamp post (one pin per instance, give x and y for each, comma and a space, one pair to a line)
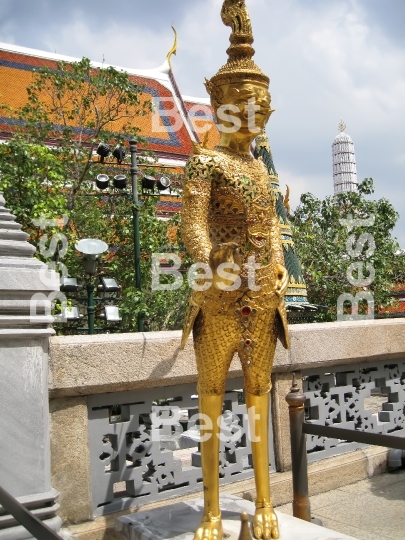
135, 218
148, 184
91, 249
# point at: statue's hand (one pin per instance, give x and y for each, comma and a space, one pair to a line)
282, 280
228, 253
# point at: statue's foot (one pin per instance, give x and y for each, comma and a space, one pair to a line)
265, 524
210, 529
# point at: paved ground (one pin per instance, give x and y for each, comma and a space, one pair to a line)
372, 509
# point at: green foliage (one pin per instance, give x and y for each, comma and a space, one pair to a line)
74, 107
111, 219
46, 169
32, 179
320, 241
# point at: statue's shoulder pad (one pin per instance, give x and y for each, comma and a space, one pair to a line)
202, 156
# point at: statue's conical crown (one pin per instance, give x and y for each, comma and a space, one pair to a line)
240, 66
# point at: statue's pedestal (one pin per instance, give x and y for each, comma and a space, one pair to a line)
179, 521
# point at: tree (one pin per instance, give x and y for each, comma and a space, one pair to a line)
32, 179
46, 169
72, 108
111, 219
334, 256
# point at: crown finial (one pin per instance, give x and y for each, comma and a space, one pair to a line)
240, 67
234, 13
341, 126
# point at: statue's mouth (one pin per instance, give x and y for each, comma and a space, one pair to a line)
258, 240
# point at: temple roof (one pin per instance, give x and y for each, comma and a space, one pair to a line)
16, 69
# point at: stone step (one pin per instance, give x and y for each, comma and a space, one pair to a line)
179, 521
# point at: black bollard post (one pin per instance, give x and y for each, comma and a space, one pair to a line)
301, 504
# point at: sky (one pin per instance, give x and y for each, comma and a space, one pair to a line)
326, 59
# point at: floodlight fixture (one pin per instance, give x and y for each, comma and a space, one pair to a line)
119, 153
148, 182
112, 314
103, 150
120, 181
110, 285
69, 284
91, 249
71, 313
102, 181
163, 183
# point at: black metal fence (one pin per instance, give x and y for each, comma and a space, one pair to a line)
298, 431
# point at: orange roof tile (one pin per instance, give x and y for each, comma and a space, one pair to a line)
16, 73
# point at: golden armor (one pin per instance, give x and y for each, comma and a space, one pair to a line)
229, 216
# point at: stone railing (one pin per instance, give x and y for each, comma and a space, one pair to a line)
103, 390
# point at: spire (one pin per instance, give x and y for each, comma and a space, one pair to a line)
298, 308
344, 162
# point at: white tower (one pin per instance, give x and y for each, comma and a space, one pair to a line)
344, 162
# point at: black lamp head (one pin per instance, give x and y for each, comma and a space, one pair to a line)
163, 183
103, 150
119, 153
120, 181
102, 181
148, 182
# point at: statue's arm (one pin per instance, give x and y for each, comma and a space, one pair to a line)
276, 243
194, 215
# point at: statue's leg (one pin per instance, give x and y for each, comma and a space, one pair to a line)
265, 521
211, 525
257, 364
214, 344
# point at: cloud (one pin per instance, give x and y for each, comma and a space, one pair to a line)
326, 60
124, 47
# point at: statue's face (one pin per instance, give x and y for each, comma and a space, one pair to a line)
246, 109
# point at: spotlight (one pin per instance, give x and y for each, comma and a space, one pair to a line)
110, 285
91, 249
148, 182
69, 284
103, 150
119, 153
102, 181
120, 181
163, 183
111, 314
71, 313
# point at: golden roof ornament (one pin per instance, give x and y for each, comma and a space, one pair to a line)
173, 50
341, 126
240, 66
262, 141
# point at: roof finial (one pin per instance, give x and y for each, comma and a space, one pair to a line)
173, 50
341, 126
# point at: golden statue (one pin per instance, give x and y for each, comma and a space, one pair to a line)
229, 216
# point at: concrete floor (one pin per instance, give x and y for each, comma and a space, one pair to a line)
372, 509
